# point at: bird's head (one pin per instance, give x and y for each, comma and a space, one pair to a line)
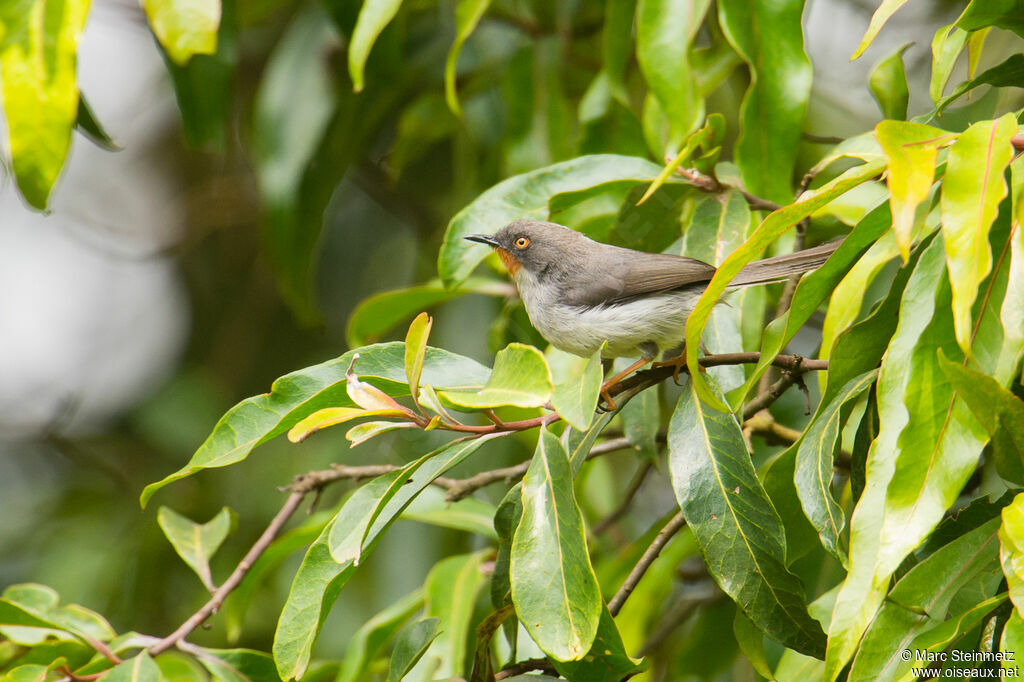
532, 245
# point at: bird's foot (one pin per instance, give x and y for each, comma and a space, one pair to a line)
609, 402
677, 364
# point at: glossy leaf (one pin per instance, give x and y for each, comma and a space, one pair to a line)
664, 30
1007, 74
374, 16
299, 394
888, 84
239, 665
1012, 641
971, 192
911, 151
814, 461
641, 419
979, 14
38, 43
751, 641
360, 433
332, 416
23, 602
362, 512
196, 543
773, 108
320, 578
554, 588
410, 645
885, 10
575, 399
739, 532
810, 293
942, 636
920, 601
905, 495
452, 587
470, 514
947, 45
416, 351
374, 633
527, 196
184, 27
140, 668
998, 410
521, 378
467, 15
1011, 550
607, 660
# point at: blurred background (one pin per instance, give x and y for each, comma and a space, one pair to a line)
253, 200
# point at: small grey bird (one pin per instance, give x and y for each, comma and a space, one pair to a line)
580, 293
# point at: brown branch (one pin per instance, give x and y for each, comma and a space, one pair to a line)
706, 183
762, 400
652, 552
524, 667
302, 486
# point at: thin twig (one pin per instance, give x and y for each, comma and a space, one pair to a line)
706, 183
762, 400
627, 500
299, 491
652, 552
524, 667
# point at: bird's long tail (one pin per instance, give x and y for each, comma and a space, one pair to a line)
780, 267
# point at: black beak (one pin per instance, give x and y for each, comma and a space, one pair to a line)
483, 239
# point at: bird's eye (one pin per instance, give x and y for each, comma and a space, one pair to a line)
522, 243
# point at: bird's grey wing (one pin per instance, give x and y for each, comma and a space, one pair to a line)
636, 274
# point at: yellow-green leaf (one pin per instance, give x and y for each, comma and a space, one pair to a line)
416, 351
878, 19
196, 543
467, 16
576, 398
332, 416
947, 45
971, 192
521, 378
184, 27
38, 45
374, 17
911, 150
1011, 550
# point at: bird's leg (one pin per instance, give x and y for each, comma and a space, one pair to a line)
677, 360
617, 378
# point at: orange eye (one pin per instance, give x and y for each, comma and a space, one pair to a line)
522, 243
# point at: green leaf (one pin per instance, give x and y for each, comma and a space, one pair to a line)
906, 494
814, 461
374, 16
362, 511
888, 84
773, 108
296, 99
412, 642
470, 514
751, 641
554, 588
196, 543
374, 633
238, 665
467, 16
942, 636
641, 419
578, 443
38, 43
947, 45
1011, 550
299, 394
575, 399
378, 314
812, 291
920, 601
527, 196
999, 411
521, 378
87, 123
911, 150
184, 27
773, 226
452, 587
140, 668
739, 532
506, 520
664, 31
1008, 14
1008, 74
885, 10
607, 660
1013, 641
971, 192
42, 603
360, 433
320, 578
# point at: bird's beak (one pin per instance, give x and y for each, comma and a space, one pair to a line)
483, 239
